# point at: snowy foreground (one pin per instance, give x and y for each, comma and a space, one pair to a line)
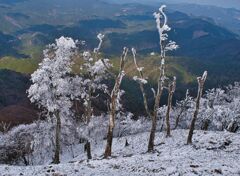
213, 153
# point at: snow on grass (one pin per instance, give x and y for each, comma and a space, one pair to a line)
212, 153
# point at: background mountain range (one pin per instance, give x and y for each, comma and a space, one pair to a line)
219, 3
208, 37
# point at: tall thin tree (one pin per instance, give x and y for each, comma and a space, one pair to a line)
93, 72
114, 99
165, 46
201, 81
171, 90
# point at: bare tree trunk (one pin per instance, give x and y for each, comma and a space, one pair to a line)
152, 134
189, 140
161, 80
89, 112
87, 148
113, 104
157, 101
25, 161
201, 81
88, 115
168, 128
141, 84
89, 105
183, 107
157, 98
108, 149
56, 159
233, 127
171, 90
205, 125
126, 143
178, 118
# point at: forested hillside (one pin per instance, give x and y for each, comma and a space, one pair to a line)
132, 90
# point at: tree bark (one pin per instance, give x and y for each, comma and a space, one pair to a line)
201, 81
126, 143
205, 125
178, 118
233, 127
168, 130
157, 97
89, 105
56, 159
192, 126
141, 85
161, 80
154, 118
113, 104
88, 149
88, 115
108, 150
152, 134
171, 90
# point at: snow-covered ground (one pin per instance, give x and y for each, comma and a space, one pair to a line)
212, 153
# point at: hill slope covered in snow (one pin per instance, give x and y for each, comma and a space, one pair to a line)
212, 153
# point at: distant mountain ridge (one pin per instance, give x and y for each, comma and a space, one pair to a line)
226, 17
27, 27
199, 37
11, 1
218, 3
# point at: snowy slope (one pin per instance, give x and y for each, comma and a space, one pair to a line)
213, 153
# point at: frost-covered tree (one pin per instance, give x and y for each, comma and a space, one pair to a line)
51, 85
221, 111
207, 109
234, 98
218, 110
201, 82
96, 72
165, 46
93, 73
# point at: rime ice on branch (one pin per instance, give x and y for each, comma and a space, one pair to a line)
51, 88
165, 46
